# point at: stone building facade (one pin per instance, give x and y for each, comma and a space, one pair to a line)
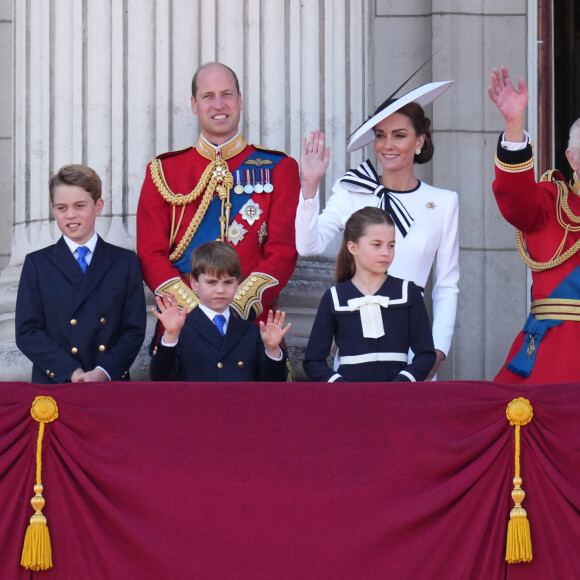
107, 83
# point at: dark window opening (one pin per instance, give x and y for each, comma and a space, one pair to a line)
566, 39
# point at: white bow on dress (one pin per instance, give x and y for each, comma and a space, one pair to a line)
370, 314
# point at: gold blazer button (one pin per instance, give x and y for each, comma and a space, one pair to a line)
102, 348
241, 364
103, 320
220, 365
74, 350
73, 322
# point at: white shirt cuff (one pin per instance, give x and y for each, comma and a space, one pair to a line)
511, 146
108, 375
279, 358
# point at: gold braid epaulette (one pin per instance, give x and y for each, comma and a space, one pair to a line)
215, 177
179, 198
561, 204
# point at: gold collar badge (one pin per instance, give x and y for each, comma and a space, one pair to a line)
226, 151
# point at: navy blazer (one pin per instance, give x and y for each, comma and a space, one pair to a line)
66, 319
203, 354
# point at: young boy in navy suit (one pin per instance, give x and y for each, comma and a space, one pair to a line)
80, 310
212, 343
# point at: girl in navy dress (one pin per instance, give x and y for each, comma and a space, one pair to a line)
373, 318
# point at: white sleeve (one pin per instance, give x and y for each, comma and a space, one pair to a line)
445, 288
313, 231
307, 242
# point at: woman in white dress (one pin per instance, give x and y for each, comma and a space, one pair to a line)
426, 217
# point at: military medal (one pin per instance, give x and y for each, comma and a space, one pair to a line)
239, 188
531, 346
268, 187
236, 233
263, 234
251, 212
248, 186
259, 188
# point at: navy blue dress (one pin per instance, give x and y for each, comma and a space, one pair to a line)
406, 325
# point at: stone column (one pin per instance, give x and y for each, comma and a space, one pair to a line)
108, 84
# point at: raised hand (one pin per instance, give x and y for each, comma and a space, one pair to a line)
509, 102
273, 331
170, 315
314, 160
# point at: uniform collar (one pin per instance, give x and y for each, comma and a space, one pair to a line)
227, 150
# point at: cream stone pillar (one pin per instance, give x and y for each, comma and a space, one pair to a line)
107, 83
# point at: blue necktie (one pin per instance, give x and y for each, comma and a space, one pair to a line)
82, 252
219, 320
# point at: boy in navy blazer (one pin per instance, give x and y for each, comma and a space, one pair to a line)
80, 310
212, 343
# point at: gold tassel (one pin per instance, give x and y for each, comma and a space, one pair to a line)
37, 551
519, 541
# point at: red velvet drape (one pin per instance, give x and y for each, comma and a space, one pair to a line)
291, 481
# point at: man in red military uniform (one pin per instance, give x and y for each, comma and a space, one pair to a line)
223, 189
546, 216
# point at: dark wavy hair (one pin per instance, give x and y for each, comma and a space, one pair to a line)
422, 126
354, 229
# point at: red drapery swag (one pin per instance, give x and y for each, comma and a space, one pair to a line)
291, 481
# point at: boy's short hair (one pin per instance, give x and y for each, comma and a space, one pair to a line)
215, 258
76, 174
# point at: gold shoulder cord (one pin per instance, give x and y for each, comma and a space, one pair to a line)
558, 258
215, 177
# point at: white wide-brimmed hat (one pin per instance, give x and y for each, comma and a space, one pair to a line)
422, 96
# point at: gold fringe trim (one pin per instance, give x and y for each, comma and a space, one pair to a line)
519, 542
37, 550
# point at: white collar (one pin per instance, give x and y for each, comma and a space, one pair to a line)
91, 244
212, 313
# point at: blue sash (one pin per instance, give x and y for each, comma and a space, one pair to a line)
523, 363
209, 228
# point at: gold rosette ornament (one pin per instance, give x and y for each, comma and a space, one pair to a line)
519, 542
37, 551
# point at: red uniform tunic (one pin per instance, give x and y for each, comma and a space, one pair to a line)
533, 209
268, 245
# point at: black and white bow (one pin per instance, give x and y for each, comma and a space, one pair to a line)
365, 179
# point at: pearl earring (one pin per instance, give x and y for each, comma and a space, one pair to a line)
417, 151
